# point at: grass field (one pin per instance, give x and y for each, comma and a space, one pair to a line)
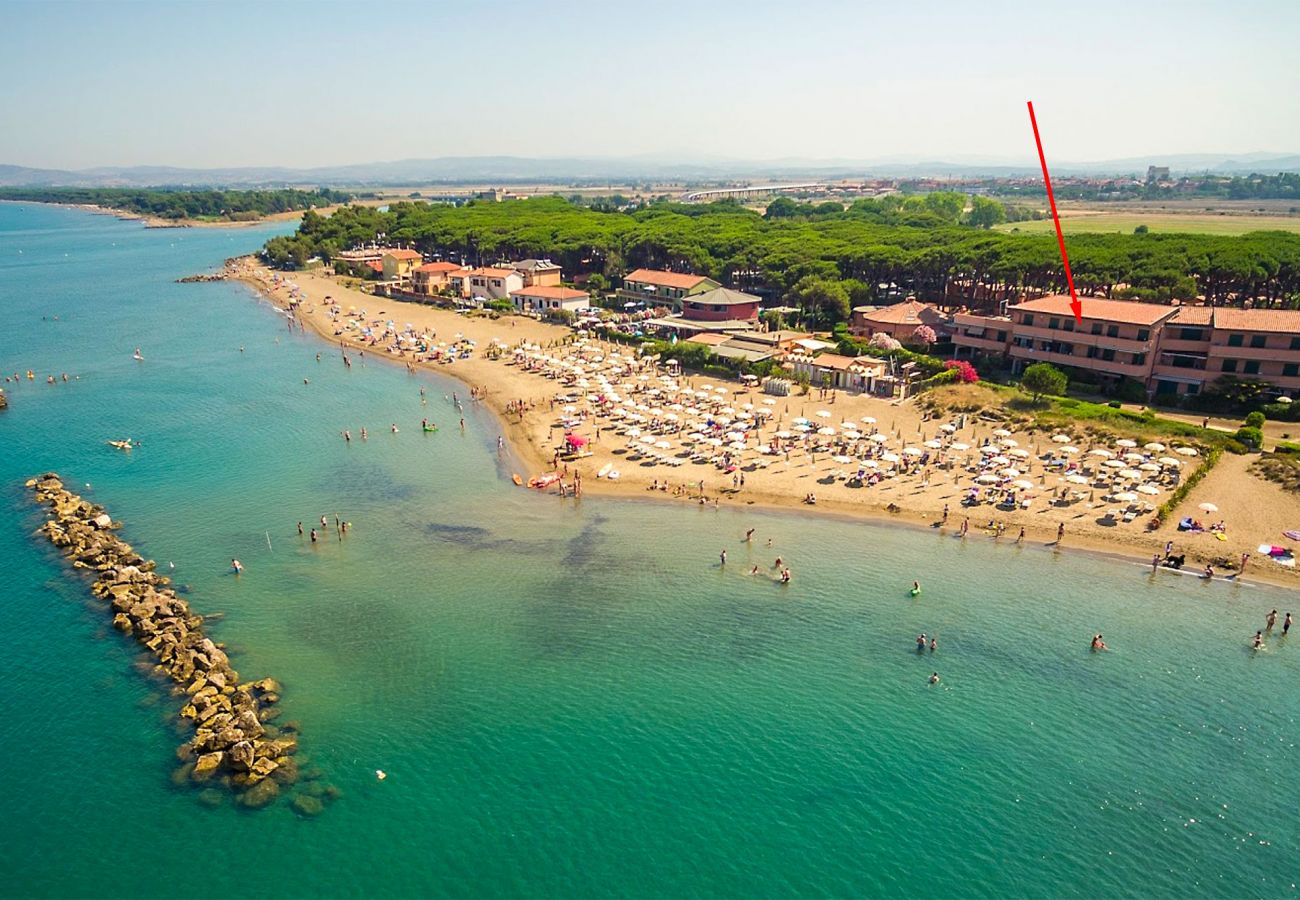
1162, 222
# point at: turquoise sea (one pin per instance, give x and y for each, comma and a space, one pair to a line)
573, 699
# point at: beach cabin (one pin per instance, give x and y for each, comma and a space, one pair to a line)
546, 298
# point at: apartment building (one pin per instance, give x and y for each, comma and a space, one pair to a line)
1171, 350
656, 288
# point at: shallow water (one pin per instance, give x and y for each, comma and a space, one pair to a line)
573, 699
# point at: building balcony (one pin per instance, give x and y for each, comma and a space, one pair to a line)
982, 342
1223, 351
1084, 339
1172, 345
1106, 367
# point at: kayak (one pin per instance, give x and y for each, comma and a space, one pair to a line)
516, 479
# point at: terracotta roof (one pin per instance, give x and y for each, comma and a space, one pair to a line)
402, 254
1281, 321
665, 279
836, 361
439, 267
375, 264
724, 297
1193, 315
489, 272
549, 293
1125, 312
709, 338
909, 312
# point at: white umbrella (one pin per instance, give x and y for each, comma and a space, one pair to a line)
958, 446
1148, 467
1208, 507
1023, 483
868, 419
1008, 442
662, 445
842, 460
799, 420
1168, 461
1130, 473
1011, 472
1124, 496
949, 428
826, 431
1061, 438
1125, 442
1070, 451
999, 461
889, 457
1076, 479
769, 402
933, 445
1114, 463
647, 439
913, 451
1186, 451
1001, 432
1154, 447
878, 438
1105, 454
987, 479
823, 413
989, 450
1019, 454
1150, 489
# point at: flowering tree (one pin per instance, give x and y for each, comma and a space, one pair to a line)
966, 373
925, 335
882, 341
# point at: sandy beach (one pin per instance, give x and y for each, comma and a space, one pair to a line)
1254, 511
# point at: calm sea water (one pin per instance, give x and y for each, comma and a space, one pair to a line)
573, 700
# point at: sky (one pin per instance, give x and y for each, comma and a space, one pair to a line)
214, 84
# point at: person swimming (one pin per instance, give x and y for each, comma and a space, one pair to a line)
1258, 642
237, 566
934, 678
1098, 643
920, 642
916, 588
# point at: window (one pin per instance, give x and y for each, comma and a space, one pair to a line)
717, 308
1144, 334
1069, 324
1251, 367
1295, 343
1291, 370
1002, 337
1139, 359
1193, 389
1096, 328
1234, 340
1108, 355
1229, 365
1028, 320
1257, 340
1112, 331
1053, 323
1192, 334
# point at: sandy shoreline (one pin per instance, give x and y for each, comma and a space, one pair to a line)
533, 437
155, 222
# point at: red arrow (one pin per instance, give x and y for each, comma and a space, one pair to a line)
1075, 305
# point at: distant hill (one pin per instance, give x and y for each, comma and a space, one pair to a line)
597, 170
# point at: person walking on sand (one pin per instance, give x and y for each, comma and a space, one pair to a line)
1242, 567
1060, 532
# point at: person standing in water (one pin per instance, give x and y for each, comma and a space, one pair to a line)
1270, 620
723, 557
237, 566
1286, 624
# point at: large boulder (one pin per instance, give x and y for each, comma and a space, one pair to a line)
305, 805
207, 765
260, 794
241, 755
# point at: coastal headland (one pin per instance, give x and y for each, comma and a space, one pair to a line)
1255, 510
235, 744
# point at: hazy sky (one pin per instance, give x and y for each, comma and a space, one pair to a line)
306, 84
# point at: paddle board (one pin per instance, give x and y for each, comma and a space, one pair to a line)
516, 479
605, 470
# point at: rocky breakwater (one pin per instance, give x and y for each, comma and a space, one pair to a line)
234, 743
198, 279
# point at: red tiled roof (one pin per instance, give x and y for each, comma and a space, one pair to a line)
709, 338
490, 272
1125, 312
836, 361
1193, 315
439, 267
665, 279
906, 313
375, 264
548, 292
1278, 321
402, 254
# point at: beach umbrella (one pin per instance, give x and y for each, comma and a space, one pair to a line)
633, 432
1061, 438
1104, 454
842, 460
889, 457
1124, 496
1130, 473
647, 439
1011, 472
1168, 461
879, 438
988, 450
826, 431
769, 402
1001, 432
868, 419
1114, 463
1148, 467
737, 445
934, 445
784, 435
1076, 479
1134, 457
1019, 454
986, 479
1150, 489
1154, 447
1008, 442
1186, 451
1207, 507
852, 434
823, 413
719, 390
913, 451
662, 445
1125, 442
1023, 483
958, 446
948, 429
800, 420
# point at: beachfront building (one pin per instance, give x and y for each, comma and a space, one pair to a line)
1171, 350
720, 305
399, 264
899, 320
857, 374
538, 272
547, 298
433, 278
655, 288
486, 284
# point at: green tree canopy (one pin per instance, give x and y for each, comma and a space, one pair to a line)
1043, 378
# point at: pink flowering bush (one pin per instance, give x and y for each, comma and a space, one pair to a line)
966, 373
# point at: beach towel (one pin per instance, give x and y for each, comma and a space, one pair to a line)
1293, 535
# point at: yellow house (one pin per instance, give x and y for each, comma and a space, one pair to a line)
399, 264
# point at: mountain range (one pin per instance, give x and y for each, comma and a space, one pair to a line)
622, 170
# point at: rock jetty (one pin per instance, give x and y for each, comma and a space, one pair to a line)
206, 276
234, 743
